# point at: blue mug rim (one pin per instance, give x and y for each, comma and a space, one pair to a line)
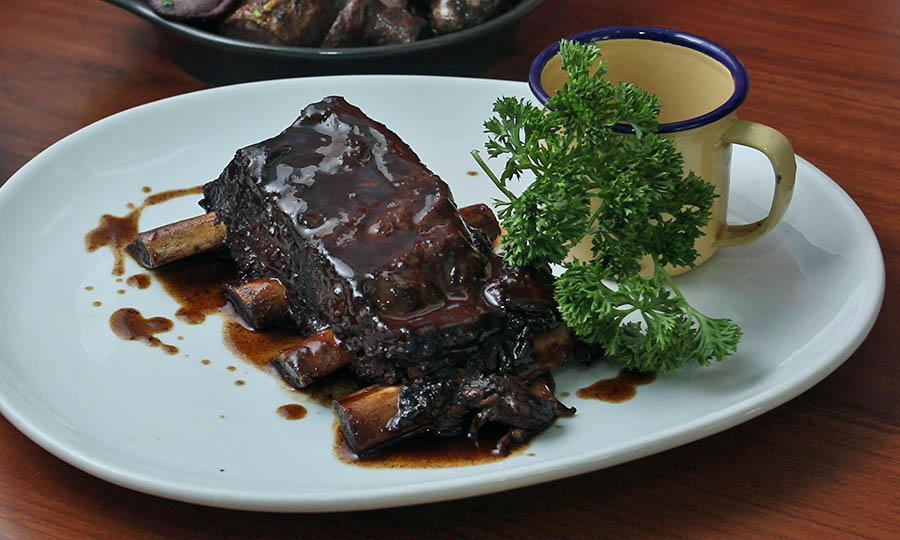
667, 35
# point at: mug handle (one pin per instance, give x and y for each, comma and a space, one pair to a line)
780, 153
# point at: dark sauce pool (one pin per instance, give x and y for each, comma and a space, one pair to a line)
291, 411
117, 232
139, 281
617, 389
129, 324
257, 348
198, 285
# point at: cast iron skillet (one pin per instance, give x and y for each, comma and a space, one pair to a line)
218, 59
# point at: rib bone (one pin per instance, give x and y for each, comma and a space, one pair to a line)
365, 414
318, 356
174, 241
261, 303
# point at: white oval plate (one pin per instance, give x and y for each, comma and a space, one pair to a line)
806, 296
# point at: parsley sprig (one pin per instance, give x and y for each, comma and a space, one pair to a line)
628, 194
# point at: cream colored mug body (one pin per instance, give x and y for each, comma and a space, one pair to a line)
699, 85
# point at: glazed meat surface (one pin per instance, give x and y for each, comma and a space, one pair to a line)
368, 242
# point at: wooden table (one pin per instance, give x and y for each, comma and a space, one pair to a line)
826, 464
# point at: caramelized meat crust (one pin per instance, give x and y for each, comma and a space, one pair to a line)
368, 242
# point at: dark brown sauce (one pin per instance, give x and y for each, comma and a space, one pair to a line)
427, 452
117, 232
198, 285
146, 189
291, 411
166, 196
472, 173
257, 348
96, 303
139, 281
617, 389
129, 324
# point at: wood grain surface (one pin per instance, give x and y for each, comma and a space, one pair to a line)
824, 465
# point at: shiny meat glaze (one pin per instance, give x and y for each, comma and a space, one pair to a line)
368, 242
365, 238
363, 199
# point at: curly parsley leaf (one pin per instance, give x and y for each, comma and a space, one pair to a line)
628, 194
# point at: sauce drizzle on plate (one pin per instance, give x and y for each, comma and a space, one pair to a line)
617, 389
